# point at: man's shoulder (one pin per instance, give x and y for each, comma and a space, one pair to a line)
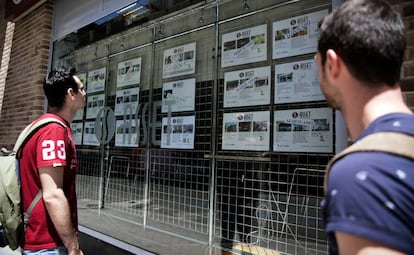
393, 122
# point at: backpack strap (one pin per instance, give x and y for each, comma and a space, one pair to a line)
26, 215
390, 142
31, 129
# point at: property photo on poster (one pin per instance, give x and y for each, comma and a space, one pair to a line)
179, 61
296, 35
126, 101
247, 87
129, 72
244, 46
179, 95
178, 132
303, 130
297, 82
96, 80
246, 131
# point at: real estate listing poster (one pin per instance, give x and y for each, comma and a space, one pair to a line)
303, 130
126, 101
96, 80
297, 82
127, 133
297, 35
244, 46
89, 137
247, 87
179, 95
94, 104
77, 132
179, 61
129, 72
178, 132
246, 131
80, 113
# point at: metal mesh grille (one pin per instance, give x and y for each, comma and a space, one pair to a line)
269, 201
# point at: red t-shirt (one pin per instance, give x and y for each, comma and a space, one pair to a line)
53, 146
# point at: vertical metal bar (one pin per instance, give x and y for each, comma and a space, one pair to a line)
212, 188
149, 127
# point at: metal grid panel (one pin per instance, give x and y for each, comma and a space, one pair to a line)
261, 206
179, 190
179, 179
88, 181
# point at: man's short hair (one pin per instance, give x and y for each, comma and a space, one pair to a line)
56, 85
369, 36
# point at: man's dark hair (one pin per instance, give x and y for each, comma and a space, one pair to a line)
369, 36
56, 85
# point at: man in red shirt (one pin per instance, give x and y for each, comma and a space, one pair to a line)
49, 163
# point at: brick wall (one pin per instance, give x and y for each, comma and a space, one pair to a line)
3, 25
23, 95
406, 8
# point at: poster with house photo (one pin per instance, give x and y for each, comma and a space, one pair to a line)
178, 132
303, 130
247, 87
179, 61
246, 131
297, 35
127, 133
96, 80
297, 82
89, 137
126, 102
179, 95
94, 104
129, 72
77, 132
244, 46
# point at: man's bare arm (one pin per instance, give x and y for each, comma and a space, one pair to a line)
353, 245
58, 208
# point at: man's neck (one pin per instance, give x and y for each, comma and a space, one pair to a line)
64, 114
371, 104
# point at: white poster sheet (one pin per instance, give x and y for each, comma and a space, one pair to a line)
179, 61
94, 104
89, 137
179, 94
297, 82
244, 46
77, 132
246, 131
96, 80
126, 101
80, 113
179, 133
129, 72
303, 130
127, 133
247, 87
297, 35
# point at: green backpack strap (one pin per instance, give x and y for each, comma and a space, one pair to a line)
32, 129
389, 142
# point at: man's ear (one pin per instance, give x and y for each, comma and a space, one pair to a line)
333, 63
70, 93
